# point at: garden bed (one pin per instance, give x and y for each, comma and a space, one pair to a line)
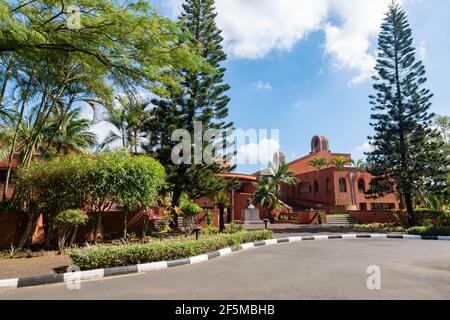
109, 256
430, 231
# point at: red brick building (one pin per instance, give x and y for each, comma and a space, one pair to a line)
328, 189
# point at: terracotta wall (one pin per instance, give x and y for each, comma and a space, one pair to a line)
368, 217
12, 226
324, 199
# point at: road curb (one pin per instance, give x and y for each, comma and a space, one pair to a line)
148, 267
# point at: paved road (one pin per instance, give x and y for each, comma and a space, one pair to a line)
333, 269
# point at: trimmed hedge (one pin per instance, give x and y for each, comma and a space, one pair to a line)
109, 256
430, 231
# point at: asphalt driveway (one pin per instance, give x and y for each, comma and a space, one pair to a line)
330, 269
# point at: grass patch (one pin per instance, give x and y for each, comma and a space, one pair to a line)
430, 231
115, 256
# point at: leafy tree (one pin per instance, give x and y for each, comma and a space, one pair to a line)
68, 221
406, 156
140, 184
51, 187
201, 97
128, 38
190, 211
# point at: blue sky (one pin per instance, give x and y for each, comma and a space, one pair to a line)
304, 66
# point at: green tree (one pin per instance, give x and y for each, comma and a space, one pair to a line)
406, 156
201, 97
340, 163
278, 175
265, 195
129, 116
72, 135
142, 179
318, 163
223, 202
128, 38
51, 187
68, 221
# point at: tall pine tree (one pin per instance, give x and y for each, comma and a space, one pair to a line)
200, 97
407, 156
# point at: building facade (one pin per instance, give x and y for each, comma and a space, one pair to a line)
329, 189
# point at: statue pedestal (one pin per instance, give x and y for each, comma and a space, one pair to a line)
251, 216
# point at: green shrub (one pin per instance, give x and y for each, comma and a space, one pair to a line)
189, 211
233, 228
210, 230
430, 231
107, 257
428, 218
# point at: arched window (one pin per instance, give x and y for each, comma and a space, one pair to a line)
329, 188
342, 185
361, 186
304, 187
316, 187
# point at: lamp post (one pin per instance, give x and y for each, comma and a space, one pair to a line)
266, 221
197, 231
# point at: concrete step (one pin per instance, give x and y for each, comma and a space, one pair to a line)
340, 220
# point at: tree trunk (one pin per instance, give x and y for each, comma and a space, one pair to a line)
97, 226
28, 228
14, 141
175, 202
125, 221
74, 236
410, 208
221, 219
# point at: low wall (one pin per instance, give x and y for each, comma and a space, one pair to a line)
12, 226
369, 217
303, 217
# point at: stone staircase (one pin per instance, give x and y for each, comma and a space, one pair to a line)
340, 220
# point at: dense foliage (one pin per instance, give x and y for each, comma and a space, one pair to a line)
91, 183
107, 257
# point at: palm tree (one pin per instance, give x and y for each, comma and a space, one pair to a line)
129, 117
318, 163
359, 166
265, 195
71, 135
222, 201
279, 175
340, 163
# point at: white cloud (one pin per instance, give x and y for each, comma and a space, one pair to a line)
261, 85
423, 50
254, 28
365, 147
299, 104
